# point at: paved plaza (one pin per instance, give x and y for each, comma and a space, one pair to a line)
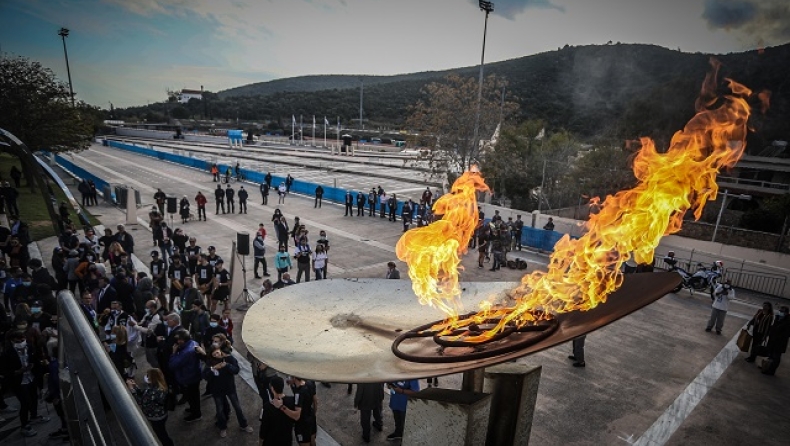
655, 377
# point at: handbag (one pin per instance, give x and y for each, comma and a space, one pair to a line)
744, 340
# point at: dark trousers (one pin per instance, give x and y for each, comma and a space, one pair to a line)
192, 395
28, 402
756, 347
400, 418
383, 210
392, 214
242, 207
231, 206
372, 207
302, 268
220, 205
13, 209
201, 212
223, 410
578, 348
317, 202
776, 358
349, 209
364, 419
160, 429
360, 210
260, 260
264, 199
86, 200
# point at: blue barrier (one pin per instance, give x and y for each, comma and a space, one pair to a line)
80, 172
531, 237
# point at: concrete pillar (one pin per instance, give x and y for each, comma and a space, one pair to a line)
131, 207
446, 416
535, 218
473, 380
514, 390
52, 161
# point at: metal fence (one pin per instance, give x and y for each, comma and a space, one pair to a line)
99, 408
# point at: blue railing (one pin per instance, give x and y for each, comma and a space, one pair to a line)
80, 172
531, 237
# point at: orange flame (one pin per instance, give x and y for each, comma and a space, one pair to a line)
433, 252
583, 272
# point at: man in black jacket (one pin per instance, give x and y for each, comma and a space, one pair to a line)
219, 197
349, 204
319, 194
360, 204
367, 400
265, 192
125, 239
242, 200
229, 193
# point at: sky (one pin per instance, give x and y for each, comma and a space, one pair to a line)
129, 52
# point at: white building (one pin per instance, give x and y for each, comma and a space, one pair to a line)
185, 95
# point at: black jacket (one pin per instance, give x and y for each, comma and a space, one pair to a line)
243, 195
10, 364
224, 382
369, 396
779, 335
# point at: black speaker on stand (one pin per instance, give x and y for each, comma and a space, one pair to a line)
243, 250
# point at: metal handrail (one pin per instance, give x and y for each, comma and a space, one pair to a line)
134, 426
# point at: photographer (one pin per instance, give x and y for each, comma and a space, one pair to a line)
303, 260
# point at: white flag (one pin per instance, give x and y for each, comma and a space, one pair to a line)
326, 121
313, 121
293, 119
542, 134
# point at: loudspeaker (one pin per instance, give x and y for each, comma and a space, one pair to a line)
172, 205
243, 243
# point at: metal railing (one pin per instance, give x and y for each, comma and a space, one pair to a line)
98, 407
761, 282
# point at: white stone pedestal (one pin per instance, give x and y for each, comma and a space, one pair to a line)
446, 416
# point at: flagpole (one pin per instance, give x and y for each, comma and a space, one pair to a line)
325, 121
313, 142
301, 131
293, 135
338, 134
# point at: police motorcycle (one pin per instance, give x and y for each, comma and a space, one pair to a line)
703, 278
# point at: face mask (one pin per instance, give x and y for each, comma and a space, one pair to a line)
20, 345
225, 320
90, 258
212, 324
35, 310
146, 379
782, 314
215, 344
113, 346
112, 336
147, 311
21, 327
26, 283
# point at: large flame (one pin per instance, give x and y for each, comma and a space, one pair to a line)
434, 252
583, 272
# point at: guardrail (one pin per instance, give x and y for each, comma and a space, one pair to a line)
99, 408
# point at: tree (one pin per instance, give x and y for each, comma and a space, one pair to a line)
179, 113
445, 120
37, 108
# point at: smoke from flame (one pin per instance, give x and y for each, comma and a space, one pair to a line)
583, 272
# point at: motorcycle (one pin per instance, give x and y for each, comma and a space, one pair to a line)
703, 278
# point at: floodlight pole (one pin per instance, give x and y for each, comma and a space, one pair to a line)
724, 205
63, 33
361, 93
488, 7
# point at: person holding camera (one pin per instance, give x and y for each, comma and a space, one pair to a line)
721, 300
303, 259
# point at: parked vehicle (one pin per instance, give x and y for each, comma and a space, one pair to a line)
702, 279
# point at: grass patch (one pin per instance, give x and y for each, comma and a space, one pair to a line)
32, 207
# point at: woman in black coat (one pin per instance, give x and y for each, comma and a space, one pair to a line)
183, 209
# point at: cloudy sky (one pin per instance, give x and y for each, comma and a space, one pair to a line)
130, 51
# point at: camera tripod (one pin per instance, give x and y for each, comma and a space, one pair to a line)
245, 293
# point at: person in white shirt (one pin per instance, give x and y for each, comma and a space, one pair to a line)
320, 260
721, 300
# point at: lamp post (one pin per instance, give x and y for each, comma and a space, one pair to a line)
488, 7
723, 205
361, 92
63, 33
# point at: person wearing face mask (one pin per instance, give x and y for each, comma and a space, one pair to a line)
19, 365
259, 248
721, 300
147, 328
38, 318
24, 292
282, 261
214, 328
185, 366
112, 317
227, 324
199, 322
320, 261
323, 241
117, 348
40, 275
151, 399
220, 373
777, 340
303, 256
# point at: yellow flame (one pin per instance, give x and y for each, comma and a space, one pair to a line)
434, 252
